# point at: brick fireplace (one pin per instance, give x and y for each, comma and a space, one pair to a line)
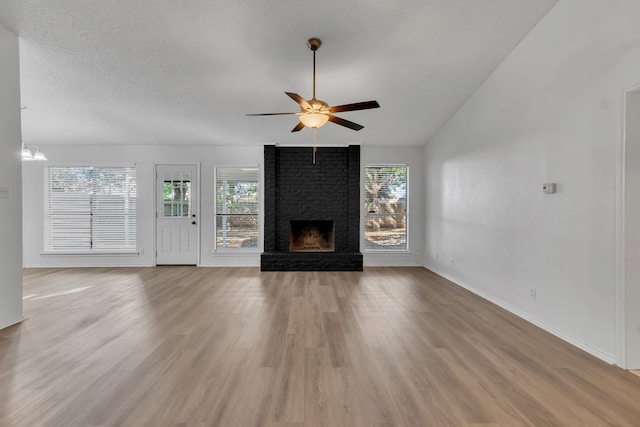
312, 211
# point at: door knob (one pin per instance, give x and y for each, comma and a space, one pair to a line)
193, 222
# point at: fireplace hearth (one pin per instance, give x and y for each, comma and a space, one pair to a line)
312, 211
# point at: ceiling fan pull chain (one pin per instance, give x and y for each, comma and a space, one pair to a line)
315, 144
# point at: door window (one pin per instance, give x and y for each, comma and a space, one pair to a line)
177, 195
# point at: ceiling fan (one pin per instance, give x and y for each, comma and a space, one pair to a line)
314, 112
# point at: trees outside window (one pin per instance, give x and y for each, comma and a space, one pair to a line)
386, 207
237, 204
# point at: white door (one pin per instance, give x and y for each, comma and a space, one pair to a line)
176, 209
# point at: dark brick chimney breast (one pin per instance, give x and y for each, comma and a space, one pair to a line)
296, 189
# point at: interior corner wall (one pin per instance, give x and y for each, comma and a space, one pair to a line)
413, 158
10, 182
550, 113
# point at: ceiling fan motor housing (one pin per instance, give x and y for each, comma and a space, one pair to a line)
318, 105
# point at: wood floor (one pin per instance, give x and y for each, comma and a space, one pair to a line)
186, 346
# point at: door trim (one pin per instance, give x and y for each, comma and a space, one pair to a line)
620, 277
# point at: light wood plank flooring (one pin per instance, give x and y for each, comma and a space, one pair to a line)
186, 346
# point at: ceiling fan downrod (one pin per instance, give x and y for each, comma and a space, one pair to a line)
314, 44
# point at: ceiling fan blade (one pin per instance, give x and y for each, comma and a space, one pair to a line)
298, 127
269, 114
300, 100
345, 123
356, 106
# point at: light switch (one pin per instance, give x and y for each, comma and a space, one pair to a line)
5, 193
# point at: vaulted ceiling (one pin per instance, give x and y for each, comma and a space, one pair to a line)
186, 71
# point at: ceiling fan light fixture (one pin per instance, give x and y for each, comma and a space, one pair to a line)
315, 113
314, 120
27, 155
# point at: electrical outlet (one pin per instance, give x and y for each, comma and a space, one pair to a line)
436, 256
532, 293
452, 262
141, 251
5, 193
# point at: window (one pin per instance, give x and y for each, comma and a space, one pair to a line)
90, 208
237, 200
176, 200
386, 207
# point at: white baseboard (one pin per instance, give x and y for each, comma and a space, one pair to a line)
392, 259
230, 259
602, 355
95, 265
12, 322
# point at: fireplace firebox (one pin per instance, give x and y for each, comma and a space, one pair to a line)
311, 236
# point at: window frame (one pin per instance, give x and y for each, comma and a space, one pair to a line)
83, 251
258, 214
406, 213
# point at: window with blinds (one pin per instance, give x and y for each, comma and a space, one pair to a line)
386, 207
90, 208
237, 204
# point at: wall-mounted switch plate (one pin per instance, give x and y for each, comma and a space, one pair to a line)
549, 188
5, 193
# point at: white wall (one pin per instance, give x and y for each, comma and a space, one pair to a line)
144, 157
632, 232
413, 157
551, 112
10, 208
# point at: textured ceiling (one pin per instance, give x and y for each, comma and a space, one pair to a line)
186, 71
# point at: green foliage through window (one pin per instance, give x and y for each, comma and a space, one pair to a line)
237, 204
386, 207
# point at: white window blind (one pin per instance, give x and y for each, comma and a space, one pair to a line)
386, 207
90, 208
237, 204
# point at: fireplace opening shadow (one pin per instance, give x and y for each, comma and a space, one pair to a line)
312, 236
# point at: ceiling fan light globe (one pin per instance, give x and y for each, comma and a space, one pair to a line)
39, 156
314, 120
26, 155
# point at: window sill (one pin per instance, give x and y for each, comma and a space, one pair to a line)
91, 253
235, 251
388, 251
